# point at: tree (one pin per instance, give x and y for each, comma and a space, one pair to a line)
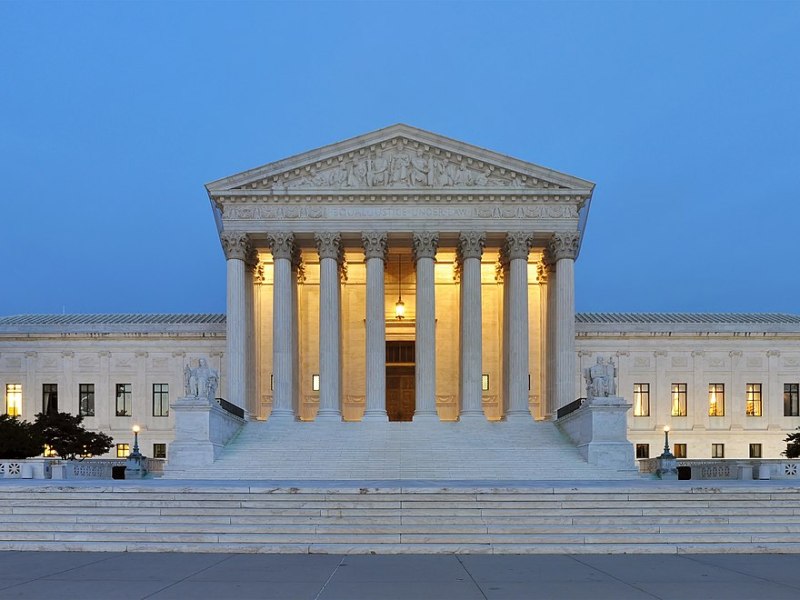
792, 445
67, 437
18, 439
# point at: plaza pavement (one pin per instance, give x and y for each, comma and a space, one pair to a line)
111, 576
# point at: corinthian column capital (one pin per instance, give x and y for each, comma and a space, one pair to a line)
518, 244
281, 244
471, 243
426, 244
374, 243
329, 245
564, 245
235, 244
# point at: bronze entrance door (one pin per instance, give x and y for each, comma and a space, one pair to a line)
400, 381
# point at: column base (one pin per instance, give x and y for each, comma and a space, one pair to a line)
428, 417
521, 415
472, 416
375, 415
329, 415
282, 415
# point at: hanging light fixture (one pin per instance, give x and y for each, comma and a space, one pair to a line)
399, 307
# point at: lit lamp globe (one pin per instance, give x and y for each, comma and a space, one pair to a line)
399, 309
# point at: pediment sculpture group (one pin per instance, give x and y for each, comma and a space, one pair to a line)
407, 169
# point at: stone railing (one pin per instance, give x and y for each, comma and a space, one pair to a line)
27, 468
54, 468
729, 468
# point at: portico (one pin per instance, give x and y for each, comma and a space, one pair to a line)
480, 246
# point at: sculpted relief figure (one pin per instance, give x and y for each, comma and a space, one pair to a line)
201, 382
403, 167
600, 379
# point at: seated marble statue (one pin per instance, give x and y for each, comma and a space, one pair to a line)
600, 379
202, 381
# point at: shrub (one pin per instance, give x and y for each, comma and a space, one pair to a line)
67, 437
18, 439
792, 445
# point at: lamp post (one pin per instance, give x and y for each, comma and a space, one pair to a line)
135, 463
136, 430
667, 464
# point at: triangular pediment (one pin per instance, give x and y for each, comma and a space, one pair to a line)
395, 158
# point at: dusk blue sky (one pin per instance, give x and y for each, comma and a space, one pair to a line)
114, 115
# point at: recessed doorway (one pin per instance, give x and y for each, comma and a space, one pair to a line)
400, 381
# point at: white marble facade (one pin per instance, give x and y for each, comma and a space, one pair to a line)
480, 246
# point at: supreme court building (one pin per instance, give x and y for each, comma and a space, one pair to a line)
401, 275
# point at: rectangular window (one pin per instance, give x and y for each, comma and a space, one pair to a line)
159, 451
123, 450
716, 399
641, 399
124, 400
791, 399
160, 399
678, 399
642, 450
755, 450
49, 398
753, 403
679, 450
14, 399
717, 450
86, 399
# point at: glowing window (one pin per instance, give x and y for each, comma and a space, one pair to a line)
123, 450
678, 399
716, 399
14, 399
753, 403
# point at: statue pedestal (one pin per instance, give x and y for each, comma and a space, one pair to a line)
202, 429
599, 430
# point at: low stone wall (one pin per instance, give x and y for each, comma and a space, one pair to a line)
27, 468
731, 468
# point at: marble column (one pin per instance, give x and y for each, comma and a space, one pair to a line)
328, 245
236, 246
375, 255
250, 264
471, 245
425, 246
517, 248
298, 277
543, 277
564, 249
282, 246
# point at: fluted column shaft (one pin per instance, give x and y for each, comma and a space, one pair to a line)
236, 246
564, 249
329, 327
250, 264
375, 255
471, 249
425, 246
517, 247
283, 378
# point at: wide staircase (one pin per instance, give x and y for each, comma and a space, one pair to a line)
466, 450
610, 517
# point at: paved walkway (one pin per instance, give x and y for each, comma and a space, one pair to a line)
109, 576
